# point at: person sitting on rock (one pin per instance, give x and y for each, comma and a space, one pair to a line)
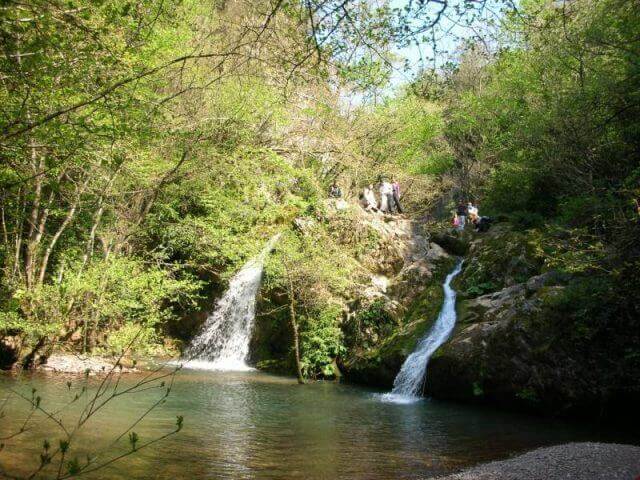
482, 224
472, 210
335, 191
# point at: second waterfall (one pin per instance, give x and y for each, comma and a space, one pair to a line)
408, 384
224, 341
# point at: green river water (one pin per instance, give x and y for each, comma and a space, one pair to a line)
252, 425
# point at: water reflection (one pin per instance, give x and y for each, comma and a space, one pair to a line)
254, 426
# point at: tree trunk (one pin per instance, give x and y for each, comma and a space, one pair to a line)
5, 233
18, 235
29, 265
54, 240
294, 330
69, 217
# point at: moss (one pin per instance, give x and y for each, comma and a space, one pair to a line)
380, 364
528, 395
280, 366
477, 390
418, 320
500, 258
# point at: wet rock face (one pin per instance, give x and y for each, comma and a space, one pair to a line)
391, 313
451, 242
376, 359
498, 351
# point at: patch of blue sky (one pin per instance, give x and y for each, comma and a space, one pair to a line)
442, 44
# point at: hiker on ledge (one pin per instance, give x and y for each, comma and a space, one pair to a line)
386, 197
369, 199
396, 195
335, 191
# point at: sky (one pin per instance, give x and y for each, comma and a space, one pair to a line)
408, 61
450, 35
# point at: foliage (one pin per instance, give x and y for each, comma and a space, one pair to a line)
322, 342
553, 126
316, 273
370, 324
148, 151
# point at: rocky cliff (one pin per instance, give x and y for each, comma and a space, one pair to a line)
391, 302
527, 336
532, 337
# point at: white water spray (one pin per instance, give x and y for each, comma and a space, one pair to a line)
408, 384
223, 343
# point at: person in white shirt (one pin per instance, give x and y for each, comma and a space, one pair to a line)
386, 196
371, 204
472, 210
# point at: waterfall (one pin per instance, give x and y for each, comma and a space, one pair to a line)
408, 384
223, 343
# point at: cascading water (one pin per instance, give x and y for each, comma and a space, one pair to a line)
223, 343
408, 384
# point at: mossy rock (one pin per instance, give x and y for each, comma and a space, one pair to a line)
497, 259
380, 365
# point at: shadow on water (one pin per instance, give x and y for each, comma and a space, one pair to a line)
257, 426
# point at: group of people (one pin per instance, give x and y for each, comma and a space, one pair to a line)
470, 213
389, 197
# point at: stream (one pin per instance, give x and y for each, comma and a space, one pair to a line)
251, 425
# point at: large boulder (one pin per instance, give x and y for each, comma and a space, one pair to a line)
377, 360
497, 259
534, 345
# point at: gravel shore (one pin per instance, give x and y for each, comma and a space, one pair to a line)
571, 461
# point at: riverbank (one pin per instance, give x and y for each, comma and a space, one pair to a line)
571, 461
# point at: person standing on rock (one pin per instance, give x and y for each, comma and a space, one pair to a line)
371, 204
386, 196
396, 194
461, 212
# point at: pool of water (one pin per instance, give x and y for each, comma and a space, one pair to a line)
251, 425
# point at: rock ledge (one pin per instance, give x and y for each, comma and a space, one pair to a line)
79, 364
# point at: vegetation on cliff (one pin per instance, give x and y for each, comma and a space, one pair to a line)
545, 135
